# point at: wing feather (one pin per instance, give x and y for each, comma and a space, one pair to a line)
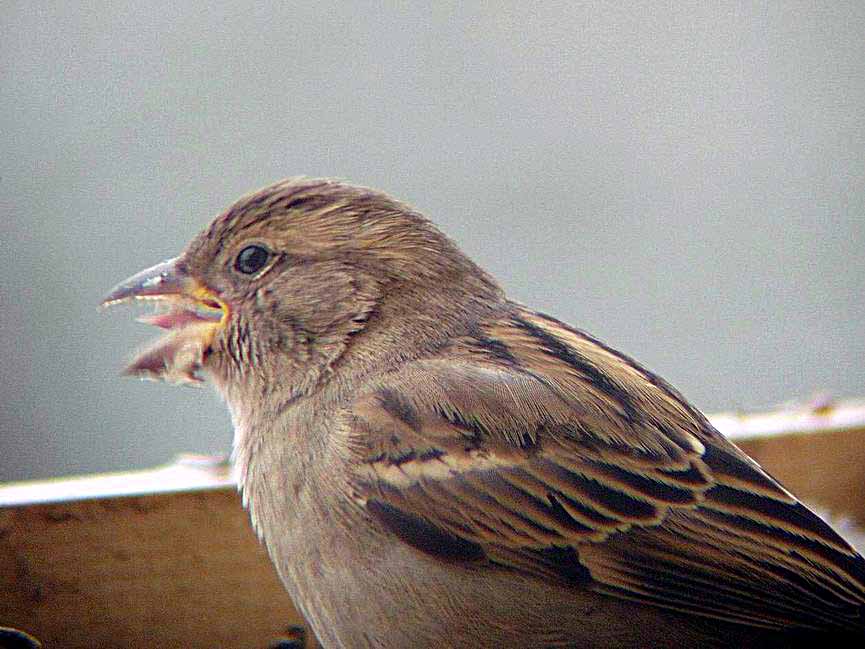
533, 447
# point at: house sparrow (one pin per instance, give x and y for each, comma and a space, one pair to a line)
431, 464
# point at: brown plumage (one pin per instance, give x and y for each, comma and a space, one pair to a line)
431, 464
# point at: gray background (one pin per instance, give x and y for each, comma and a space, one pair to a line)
686, 182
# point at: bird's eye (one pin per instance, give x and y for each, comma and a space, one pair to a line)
251, 259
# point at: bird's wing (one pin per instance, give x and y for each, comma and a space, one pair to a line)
530, 446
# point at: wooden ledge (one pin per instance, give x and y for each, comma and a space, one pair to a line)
187, 473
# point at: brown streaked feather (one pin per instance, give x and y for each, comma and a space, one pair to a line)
532, 447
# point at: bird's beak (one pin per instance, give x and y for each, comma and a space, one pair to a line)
191, 311
166, 281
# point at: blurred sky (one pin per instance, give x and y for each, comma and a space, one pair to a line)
684, 180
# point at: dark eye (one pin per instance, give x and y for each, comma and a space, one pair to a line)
251, 259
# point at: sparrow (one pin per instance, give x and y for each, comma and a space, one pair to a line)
431, 464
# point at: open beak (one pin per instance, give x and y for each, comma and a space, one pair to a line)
191, 312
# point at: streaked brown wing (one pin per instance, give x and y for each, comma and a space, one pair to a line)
508, 465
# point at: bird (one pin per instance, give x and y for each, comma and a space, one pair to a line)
432, 464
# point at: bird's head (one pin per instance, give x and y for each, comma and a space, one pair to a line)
290, 279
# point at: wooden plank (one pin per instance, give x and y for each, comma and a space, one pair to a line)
826, 470
187, 473
166, 570
166, 557
817, 450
